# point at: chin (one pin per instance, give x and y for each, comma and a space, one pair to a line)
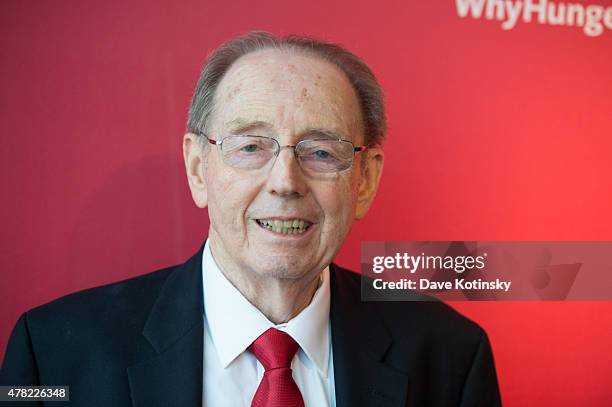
286, 269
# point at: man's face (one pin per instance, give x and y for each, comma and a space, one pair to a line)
289, 97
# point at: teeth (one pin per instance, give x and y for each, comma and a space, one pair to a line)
289, 227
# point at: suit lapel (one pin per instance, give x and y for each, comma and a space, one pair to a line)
173, 376
174, 329
360, 341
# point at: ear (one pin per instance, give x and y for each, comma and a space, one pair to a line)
193, 154
372, 166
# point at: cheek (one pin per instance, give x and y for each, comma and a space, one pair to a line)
338, 202
230, 196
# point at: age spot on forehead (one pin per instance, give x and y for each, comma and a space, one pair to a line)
233, 93
304, 94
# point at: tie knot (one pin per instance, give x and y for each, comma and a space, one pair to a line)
274, 349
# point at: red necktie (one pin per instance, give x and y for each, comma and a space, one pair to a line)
274, 349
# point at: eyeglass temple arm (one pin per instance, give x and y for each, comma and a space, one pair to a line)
359, 149
211, 141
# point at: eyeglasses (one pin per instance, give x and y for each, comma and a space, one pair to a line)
249, 152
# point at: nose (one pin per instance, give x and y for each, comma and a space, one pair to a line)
286, 177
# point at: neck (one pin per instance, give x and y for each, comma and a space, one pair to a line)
279, 299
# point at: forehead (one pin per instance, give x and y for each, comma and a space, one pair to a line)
287, 92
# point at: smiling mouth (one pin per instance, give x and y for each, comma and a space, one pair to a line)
287, 227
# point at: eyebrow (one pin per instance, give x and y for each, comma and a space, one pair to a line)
241, 126
322, 133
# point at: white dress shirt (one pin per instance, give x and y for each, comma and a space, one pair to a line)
231, 374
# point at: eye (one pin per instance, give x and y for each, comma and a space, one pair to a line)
250, 148
321, 154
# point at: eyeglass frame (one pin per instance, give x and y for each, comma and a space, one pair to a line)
356, 149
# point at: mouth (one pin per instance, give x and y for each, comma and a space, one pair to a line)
285, 226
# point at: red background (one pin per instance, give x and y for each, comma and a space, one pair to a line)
493, 135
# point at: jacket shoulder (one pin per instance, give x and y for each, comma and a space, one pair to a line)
424, 317
99, 317
106, 299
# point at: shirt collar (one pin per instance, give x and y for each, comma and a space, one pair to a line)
234, 323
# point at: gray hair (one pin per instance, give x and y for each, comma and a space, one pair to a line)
368, 90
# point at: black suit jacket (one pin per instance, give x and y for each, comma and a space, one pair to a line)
139, 343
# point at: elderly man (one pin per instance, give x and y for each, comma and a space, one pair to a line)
284, 149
